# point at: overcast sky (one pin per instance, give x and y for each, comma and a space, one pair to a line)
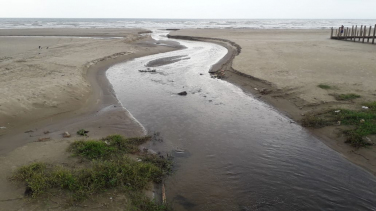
216, 9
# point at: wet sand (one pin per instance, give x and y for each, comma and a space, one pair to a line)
62, 88
284, 68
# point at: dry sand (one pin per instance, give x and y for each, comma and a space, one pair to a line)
62, 88
291, 64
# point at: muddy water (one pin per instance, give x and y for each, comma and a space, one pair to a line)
239, 153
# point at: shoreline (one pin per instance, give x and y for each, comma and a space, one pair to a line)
266, 91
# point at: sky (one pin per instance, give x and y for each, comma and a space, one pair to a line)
191, 9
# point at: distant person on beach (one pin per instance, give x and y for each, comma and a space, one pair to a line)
342, 27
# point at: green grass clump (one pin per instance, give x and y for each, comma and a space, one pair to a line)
109, 168
324, 86
363, 122
313, 121
102, 175
82, 132
164, 164
371, 106
350, 96
110, 146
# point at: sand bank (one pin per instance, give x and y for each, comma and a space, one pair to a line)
62, 88
290, 64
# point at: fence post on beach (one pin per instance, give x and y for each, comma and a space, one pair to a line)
360, 32
364, 32
369, 34
331, 33
352, 32
356, 32
374, 33
347, 32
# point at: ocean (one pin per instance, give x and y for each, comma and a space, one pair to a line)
17, 23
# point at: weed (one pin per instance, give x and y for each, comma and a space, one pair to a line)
311, 120
165, 165
324, 86
91, 149
371, 106
110, 146
350, 96
363, 121
101, 176
82, 132
110, 168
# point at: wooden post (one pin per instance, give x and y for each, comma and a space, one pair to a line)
364, 32
331, 33
369, 34
339, 32
360, 32
356, 32
352, 32
347, 32
374, 33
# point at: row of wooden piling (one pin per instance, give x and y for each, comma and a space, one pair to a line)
355, 34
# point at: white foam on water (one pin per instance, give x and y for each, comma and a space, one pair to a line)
15, 23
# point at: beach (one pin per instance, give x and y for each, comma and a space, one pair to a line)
288, 65
48, 91
60, 87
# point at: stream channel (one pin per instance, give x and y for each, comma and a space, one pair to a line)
235, 152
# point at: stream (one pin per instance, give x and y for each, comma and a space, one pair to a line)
232, 151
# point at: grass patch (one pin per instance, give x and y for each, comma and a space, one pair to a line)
109, 168
343, 97
82, 132
363, 121
371, 106
311, 120
110, 146
324, 86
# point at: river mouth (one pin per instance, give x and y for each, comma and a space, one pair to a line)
232, 151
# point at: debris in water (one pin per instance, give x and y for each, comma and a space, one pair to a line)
183, 93
29, 131
337, 111
66, 135
44, 139
147, 71
3, 128
46, 132
365, 107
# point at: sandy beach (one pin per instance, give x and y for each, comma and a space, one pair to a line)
64, 87
60, 87
289, 65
